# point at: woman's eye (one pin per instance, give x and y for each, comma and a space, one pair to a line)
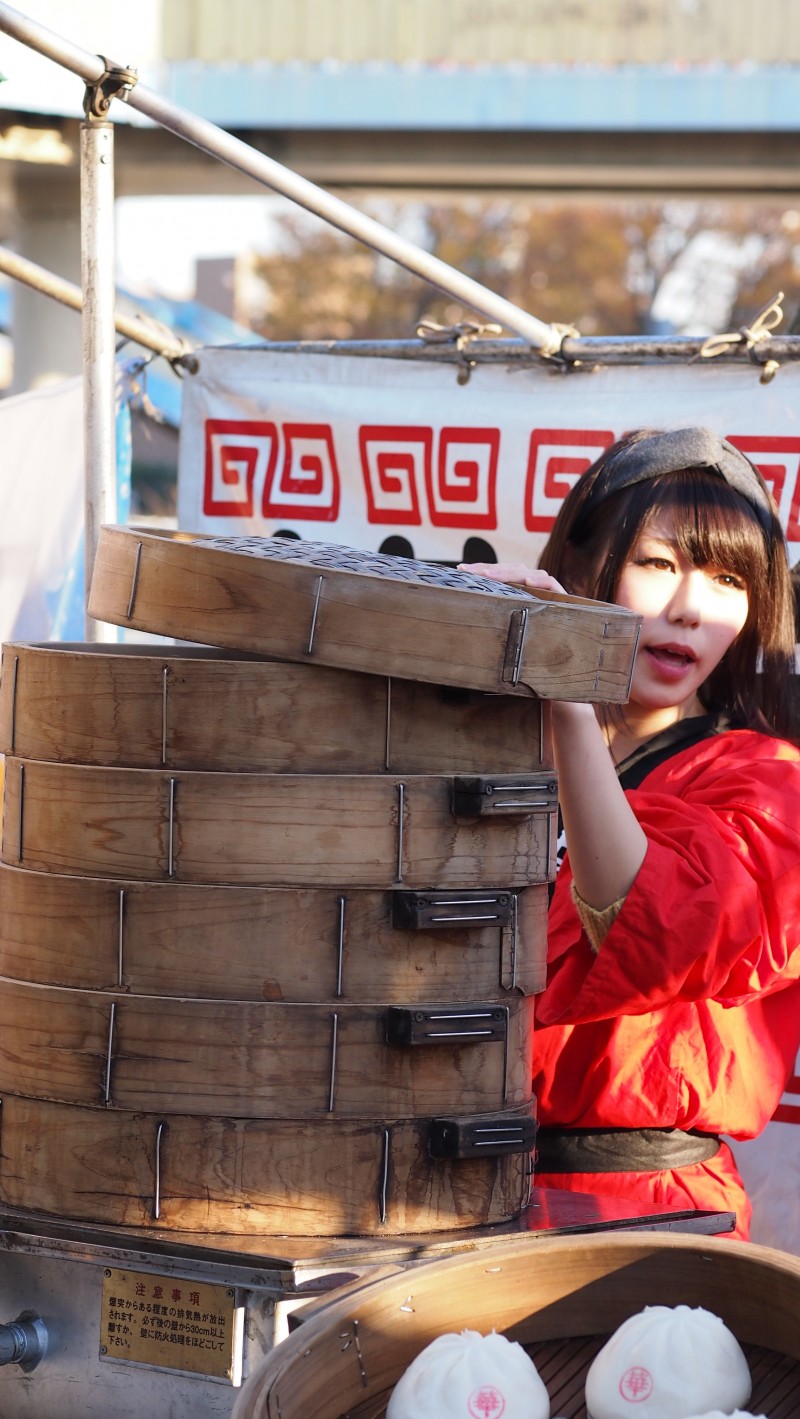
729, 579
660, 564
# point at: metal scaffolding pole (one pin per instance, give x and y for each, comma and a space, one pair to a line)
99, 369
215, 141
140, 328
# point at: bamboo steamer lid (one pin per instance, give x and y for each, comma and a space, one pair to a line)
243, 1176
278, 829
238, 943
558, 1297
307, 601
197, 708
263, 1059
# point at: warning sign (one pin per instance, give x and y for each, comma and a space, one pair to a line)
169, 1322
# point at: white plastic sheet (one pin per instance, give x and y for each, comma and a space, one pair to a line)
41, 504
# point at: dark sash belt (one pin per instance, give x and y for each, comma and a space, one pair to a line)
621, 1150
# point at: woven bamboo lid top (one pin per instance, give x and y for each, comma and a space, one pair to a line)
331, 557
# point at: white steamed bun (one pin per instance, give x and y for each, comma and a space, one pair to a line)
668, 1363
470, 1376
737, 1414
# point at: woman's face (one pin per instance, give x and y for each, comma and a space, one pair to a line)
691, 615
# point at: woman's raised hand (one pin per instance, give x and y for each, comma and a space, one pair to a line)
606, 844
515, 574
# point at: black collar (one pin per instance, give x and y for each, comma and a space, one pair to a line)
632, 770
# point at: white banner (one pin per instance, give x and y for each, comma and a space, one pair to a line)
360, 450
41, 504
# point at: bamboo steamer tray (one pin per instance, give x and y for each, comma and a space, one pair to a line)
263, 1060
385, 615
197, 708
239, 943
561, 1299
271, 829
244, 1177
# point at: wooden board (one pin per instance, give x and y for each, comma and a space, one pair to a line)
193, 708
240, 943
264, 829
307, 601
244, 1176
548, 1296
256, 1060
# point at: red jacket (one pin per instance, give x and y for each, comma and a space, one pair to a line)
689, 1015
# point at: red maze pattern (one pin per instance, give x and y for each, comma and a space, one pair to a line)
414, 473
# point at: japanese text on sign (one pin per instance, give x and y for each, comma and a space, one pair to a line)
169, 1322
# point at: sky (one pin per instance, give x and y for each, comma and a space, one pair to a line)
147, 263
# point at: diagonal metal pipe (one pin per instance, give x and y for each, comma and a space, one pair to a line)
237, 154
139, 328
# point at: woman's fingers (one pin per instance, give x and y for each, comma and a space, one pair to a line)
515, 574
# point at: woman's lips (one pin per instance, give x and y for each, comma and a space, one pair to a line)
671, 661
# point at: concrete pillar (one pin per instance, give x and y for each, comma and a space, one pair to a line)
47, 230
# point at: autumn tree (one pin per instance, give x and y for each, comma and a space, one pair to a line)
616, 268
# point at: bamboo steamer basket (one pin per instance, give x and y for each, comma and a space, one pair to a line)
308, 601
144, 783
238, 943
559, 1298
263, 1059
193, 707
245, 1177
366, 830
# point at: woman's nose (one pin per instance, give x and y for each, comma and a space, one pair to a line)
687, 599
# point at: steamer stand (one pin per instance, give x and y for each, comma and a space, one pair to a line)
271, 932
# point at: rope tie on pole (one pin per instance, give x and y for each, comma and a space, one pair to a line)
749, 337
460, 336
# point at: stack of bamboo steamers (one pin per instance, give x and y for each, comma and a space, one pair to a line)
271, 928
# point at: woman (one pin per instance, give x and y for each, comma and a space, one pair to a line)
672, 1008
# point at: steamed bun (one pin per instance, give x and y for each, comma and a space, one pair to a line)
668, 1363
470, 1376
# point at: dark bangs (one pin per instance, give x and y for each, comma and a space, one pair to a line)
714, 526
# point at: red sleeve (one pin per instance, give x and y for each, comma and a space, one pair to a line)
714, 913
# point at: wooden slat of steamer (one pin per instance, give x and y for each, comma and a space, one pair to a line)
241, 943
532, 1290
194, 708
249, 1060
262, 829
450, 633
244, 1176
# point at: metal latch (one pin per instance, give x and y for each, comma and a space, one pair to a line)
420, 911
515, 646
487, 1135
475, 1024
483, 795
